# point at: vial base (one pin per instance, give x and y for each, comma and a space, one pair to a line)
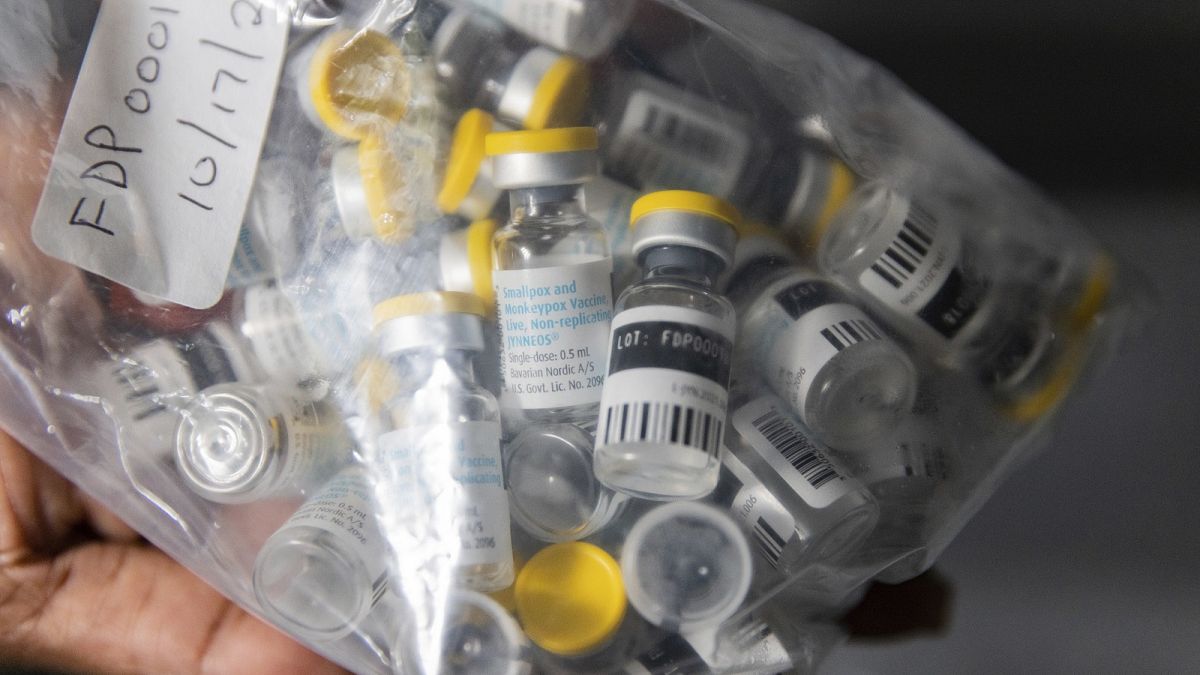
656, 471
861, 395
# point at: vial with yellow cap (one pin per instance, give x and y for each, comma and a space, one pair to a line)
585, 28
571, 600
802, 188
469, 190
940, 292
473, 634
440, 480
811, 343
325, 570
552, 275
482, 65
371, 191
238, 443
662, 414
352, 83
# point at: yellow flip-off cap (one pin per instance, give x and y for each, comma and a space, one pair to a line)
358, 80
567, 139
420, 304
561, 96
382, 178
466, 158
1058, 384
479, 258
685, 200
1094, 295
376, 379
570, 598
841, 184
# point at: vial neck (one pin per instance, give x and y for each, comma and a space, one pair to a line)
546, 202
433, 366
681, 263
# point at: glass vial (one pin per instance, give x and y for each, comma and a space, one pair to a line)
585, 28
686, 566
320, 575
268, 245
476, 636
441, 481
798, 504
275, 333
469, 190
370, 191
553, 491
659, 136
351, 83
662, 413
801, 189
481, 65
238, 443
552, 276
841, 373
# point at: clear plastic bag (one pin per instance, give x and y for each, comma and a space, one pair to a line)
426, 445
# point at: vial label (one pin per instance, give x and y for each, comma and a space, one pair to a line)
160, 143
276, 334
781, 443
668, 379
922, 273
680, 142
213, 355
315, 447
251, 260
449, 478
673, 656
554, 324
343, 508
756, 509
823, 324
907, 459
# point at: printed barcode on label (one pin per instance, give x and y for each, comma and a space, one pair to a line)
787, 439
700, 142
769, 542
659, 422
142, 392
852, 331
909, 249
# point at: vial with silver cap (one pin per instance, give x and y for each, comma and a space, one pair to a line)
807, 338
472, 634
796, 501
686, 566
939, 291
553, 491
585, 28
238, 443
552, 275
324, 571
469, 190
438, 465
480, 64
662, 413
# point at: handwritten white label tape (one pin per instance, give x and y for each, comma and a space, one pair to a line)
160, 143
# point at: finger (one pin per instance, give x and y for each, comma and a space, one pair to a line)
38, 507
106, 607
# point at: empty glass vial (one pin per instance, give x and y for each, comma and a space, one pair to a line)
570, 599
320, 575
552, 276
662, 413
474, 635
238, 443
659, 136
351, 83
808, 339
920, 273
799, 505
552, 489
481, 65
585, 28
686, 566
369, 189
441, 487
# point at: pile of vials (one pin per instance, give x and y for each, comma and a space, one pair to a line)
676, 384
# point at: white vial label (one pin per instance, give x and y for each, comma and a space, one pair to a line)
685, 142
668, 378
757, 510
160, 142
343, 508
921, 274
451, 481
801, 350
277, 336
781, 443
554, 324
251, 260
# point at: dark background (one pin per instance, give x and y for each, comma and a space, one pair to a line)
1087, 559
